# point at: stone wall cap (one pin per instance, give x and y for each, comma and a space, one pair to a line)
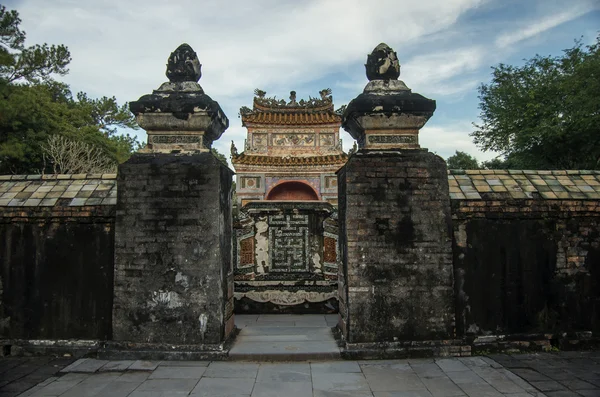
62, 190
524, 184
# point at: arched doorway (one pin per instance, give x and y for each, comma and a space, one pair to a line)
292, 190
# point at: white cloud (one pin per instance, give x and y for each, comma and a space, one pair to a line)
446, 140
445, 73
121, 47
533, 28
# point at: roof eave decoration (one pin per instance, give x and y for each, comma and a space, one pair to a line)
333, 159
262, 103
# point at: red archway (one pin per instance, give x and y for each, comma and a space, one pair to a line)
292, 190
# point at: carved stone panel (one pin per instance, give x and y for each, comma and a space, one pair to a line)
250, 182
293, 139
175, 139
330, 182
259, 142
288, 240
327, 139
285, 257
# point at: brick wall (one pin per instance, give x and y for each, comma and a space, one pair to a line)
397, 238
526, 265
173, 270
56, 271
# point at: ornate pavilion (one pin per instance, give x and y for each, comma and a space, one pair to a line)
292, 150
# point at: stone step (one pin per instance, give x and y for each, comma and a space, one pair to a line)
304, 342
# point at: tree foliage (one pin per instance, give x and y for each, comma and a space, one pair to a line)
33, 64
220, 156
462, 161
546, 113
34, 107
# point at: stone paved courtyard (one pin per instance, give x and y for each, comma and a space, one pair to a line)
546, 374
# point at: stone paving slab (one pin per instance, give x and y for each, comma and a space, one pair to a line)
19, 374
142, 365
121, 365
443, 377
87, 365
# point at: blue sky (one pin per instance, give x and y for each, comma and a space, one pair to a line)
446, 48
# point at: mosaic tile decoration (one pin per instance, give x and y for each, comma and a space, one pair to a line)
63, 190
101, 189
524, 184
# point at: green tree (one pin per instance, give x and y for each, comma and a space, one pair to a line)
499, 164
34, 107
220, 156
546, 113
33, 64
462, 161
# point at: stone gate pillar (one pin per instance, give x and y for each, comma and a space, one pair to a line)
395, 222
173, 268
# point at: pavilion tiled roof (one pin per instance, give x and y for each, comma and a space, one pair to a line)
101, 189
249, 159
62, 189
281, 118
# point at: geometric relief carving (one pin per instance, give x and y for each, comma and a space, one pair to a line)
330, 248
288, 243
247, 251
392, 139
175, 138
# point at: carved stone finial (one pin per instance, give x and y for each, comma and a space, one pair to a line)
293, 99
382, 64
234, 151
183, 65
260, 93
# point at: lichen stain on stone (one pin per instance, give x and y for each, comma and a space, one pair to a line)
182, 280
461, 235
203, 320
316, 259
262, 244
168, 299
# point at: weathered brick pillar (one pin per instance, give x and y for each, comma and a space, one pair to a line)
173, 267
395, 217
